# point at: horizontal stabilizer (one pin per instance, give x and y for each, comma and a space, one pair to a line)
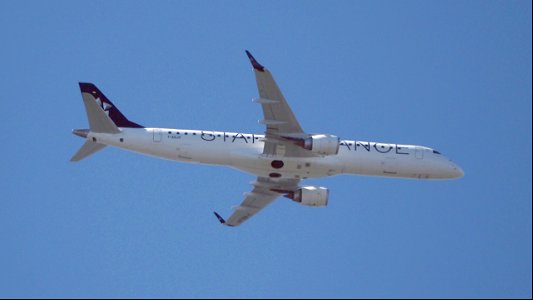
87, 149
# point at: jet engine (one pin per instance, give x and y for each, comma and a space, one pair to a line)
310, 196
322, 144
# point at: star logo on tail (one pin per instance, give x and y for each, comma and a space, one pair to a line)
104, 105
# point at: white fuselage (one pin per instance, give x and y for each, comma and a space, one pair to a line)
245, 152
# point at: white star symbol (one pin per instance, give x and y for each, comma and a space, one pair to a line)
104, 105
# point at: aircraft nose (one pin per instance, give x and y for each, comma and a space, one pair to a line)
457, 171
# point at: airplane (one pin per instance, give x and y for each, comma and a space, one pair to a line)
281, 158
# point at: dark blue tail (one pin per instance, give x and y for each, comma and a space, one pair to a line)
118, 118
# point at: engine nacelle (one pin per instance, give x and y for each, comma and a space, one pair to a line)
311, 196
322, 144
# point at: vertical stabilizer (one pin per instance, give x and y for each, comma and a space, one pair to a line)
91, 92
99, 121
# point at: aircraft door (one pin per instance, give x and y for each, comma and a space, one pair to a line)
419, 152
158, 135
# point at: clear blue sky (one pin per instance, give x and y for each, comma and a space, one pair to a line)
453, 75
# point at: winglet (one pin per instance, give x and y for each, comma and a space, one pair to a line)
254, 62
222, 221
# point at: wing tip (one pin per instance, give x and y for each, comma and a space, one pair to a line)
254, 62
220, 219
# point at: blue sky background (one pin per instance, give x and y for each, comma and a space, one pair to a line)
453, 75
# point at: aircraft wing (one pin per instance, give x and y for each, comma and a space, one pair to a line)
265, 191
278, 116
281, 130
279, 119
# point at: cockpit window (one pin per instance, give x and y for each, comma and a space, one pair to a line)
436, 152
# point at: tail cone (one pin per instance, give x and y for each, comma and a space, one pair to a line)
81, 132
